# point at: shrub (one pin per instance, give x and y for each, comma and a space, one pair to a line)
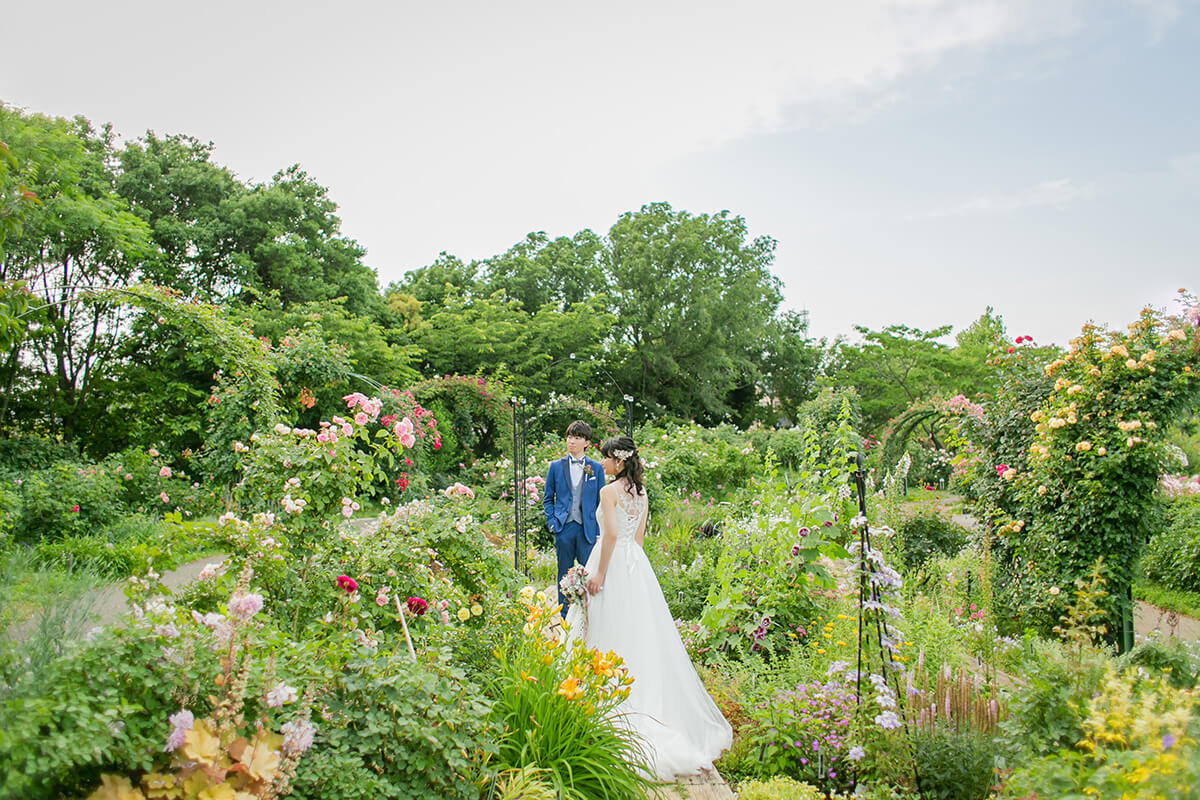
103, 707
21, 453
781, 787
1137, 739
954, 764
67, 498
802, 732
929, 534
1172, 558
1178, 662
397, 730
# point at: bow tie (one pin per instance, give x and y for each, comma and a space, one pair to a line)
577, 461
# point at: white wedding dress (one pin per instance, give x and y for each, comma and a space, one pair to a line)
668, 705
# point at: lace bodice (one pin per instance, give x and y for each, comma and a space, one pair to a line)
629, 512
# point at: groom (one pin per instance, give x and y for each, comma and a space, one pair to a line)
571, 498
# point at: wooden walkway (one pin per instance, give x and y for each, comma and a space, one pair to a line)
710, 786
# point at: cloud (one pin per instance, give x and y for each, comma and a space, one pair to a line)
1056, 194
650, 80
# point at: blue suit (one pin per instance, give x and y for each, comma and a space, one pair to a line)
572, 541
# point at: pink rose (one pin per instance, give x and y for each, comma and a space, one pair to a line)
404, 432
165, 472
164, 497
347, 584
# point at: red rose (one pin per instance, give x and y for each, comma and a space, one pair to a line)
75, 509
417, 606
347, 584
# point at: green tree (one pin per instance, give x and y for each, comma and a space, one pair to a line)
539, 271
82, 239
897, 367
694, 301
432, 284
287, 235
188, 203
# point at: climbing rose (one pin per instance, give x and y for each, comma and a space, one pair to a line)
347, 584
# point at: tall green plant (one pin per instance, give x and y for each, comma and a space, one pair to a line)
558, 706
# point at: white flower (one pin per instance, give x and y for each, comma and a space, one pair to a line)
210, 570
888, 720
297, 736
280, 694
856, 753
167, 631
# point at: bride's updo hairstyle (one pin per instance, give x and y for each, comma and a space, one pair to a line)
624, 450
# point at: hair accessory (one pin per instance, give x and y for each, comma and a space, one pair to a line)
622, 455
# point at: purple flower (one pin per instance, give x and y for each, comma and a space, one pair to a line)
1167, 741
856, 753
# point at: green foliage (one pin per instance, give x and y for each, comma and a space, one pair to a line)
475, 411
102, 707
22, 452
556, 706
1175, 661
802, 732
954, 763
129, 546
1172, 557
1137, 739
398, 730
1047, 708
705, 463
1098, 446
781, 787
41, 612
926, 535
1179, 601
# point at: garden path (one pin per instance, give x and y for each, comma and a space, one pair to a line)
710, 786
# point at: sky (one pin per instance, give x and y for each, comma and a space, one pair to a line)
917, 161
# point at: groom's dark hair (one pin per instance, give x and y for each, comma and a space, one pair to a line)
581, 429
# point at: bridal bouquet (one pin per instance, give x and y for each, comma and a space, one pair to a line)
574, 588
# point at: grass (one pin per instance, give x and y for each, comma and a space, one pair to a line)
1177, 600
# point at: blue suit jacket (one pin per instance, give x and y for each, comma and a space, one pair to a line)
557, 497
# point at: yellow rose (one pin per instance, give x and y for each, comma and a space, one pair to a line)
1100, 451
464, 614
476, 609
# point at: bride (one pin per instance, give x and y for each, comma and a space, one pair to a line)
668, 705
